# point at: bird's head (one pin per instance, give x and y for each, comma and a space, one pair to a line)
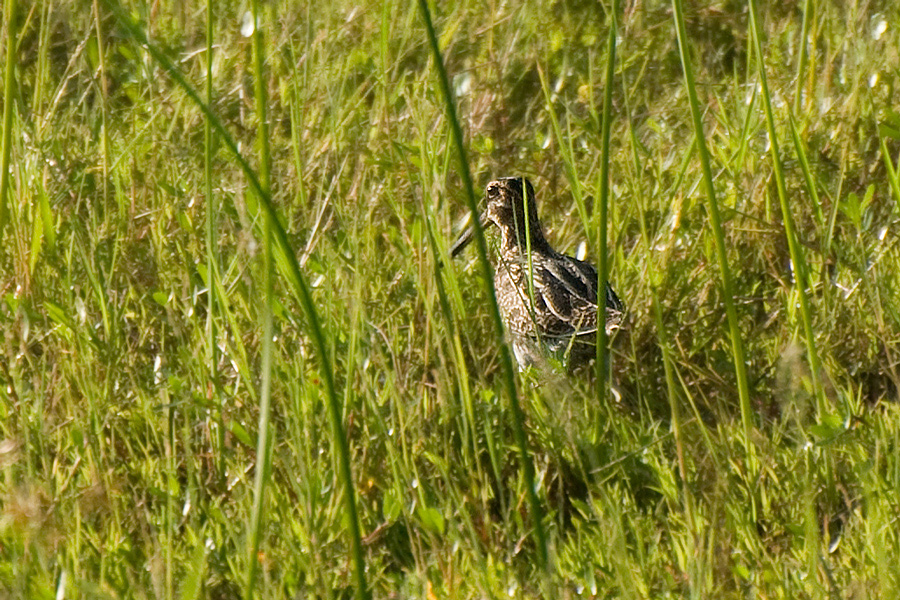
511, 206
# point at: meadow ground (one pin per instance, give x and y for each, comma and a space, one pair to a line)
175, 386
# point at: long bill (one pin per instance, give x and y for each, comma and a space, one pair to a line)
468, 235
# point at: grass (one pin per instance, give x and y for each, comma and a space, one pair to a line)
135, 444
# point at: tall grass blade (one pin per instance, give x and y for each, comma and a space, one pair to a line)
737, 346
807, 175
454, 343
603, 267
481, 246
212, 256
803, 59
263, 456
286, 261
9, 12
565, 152
655, 278
797, 257
104, 108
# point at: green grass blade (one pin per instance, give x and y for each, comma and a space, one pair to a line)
807, 175
737, 346
212, 256
797, 257
803, 59
263, 443
565, 151
655, 279
9, 11
603, 267
481, 246
286, 261
104, 109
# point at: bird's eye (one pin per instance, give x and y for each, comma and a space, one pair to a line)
493, 191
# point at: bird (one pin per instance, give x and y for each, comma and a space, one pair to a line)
548, 300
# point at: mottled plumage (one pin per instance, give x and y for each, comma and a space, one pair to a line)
562, 320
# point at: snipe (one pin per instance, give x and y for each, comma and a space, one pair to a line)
553, 311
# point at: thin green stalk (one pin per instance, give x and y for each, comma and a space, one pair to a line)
212, 260
669, 370
813, 194
528, 256
454, 343
171, 476
804, 53
481, 245
263, 456
655, 279
811, 526
104, 112
603, 270
745, 132
42, 74
565, 151
796, 251
807, 174
737, 346
286, 261
9, 10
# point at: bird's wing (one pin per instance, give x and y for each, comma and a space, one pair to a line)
568, 288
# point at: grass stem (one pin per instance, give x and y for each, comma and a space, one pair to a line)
796, 251
263, 443
603, 266
481, 246
737, 345
9, 81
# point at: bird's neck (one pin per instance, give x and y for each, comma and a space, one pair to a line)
517, 241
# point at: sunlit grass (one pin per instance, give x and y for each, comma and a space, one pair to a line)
9, 7
135, 441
